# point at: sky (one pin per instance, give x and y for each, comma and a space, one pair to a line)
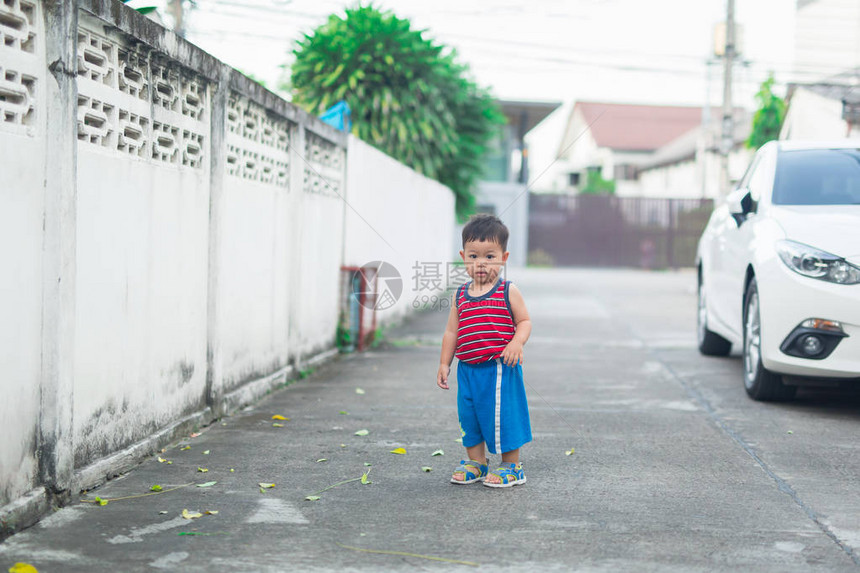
624, 51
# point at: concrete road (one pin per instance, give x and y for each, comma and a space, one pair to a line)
674, 468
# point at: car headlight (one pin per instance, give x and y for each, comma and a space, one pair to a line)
811, 262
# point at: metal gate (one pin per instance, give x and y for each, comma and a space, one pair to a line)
609, 231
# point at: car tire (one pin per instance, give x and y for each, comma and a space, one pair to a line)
761, 384
710, 343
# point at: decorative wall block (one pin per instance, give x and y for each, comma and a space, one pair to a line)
132, 134
18, 25
133, 76
192, 152
94, 121
170, 129
96, 58
193, 99
233, 154
165, 144
324, 166
234, 115
165, 85
258, 143
17, 98
21, 71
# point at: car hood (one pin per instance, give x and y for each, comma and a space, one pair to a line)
831, 228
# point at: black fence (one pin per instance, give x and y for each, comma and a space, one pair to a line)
609, 231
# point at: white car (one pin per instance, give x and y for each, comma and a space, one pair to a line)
779, 269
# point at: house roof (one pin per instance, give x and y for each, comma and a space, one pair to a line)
839, 92
525, 115
684, 147
626, 127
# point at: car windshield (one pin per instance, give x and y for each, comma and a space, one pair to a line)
817, 177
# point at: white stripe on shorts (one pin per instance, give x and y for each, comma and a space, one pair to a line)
498, 406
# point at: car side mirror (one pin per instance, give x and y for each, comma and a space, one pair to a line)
741, 204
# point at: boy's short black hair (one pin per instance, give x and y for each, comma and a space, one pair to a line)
485, 227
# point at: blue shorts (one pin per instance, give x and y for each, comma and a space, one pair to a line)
491, 404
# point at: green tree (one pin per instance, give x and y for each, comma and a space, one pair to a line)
409, 96
768, 117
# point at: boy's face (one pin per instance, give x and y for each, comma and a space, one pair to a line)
484, 260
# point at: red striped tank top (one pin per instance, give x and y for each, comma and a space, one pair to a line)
486, 323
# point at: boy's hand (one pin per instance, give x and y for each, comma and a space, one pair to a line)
442, 376
513, 353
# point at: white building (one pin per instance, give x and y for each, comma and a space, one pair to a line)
827, 41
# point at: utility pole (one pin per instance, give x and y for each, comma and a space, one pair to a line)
175, 9
728, 123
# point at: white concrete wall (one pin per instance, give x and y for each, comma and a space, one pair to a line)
22, 164
813, 117
398, 216
677, 180
827, 38
173, 242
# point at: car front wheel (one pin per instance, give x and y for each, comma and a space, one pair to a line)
710, 343
760, 383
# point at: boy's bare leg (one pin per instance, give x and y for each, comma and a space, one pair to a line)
476, 453
511, 457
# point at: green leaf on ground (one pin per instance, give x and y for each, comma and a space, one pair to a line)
101, 501
359, 391
426, 469
191, 514
156, 487
343, 413
205, 452
277, 425
569, 452
362, 433
312, 498
438, 453
207, 484
322, 460
398, 451
202, 470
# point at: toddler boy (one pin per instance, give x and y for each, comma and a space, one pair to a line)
487, 328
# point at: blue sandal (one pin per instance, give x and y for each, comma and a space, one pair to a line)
509, 476
472, 471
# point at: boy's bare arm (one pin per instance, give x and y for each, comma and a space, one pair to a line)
449, 345
513, 352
